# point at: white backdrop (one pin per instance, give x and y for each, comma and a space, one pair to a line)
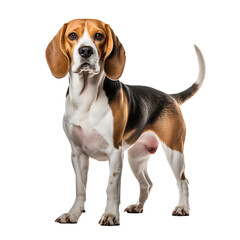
37, 182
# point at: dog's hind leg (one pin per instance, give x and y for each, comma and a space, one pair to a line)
171, 130
176, 162
138, 157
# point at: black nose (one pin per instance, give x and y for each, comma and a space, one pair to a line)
85, 52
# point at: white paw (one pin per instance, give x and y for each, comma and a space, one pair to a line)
109, 220
135, 208
181, 211
69, 217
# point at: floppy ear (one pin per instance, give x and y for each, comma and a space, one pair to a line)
115, 58
56, 55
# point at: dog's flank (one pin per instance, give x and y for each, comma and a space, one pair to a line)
146, 104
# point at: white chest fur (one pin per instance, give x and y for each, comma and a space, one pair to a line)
88, 119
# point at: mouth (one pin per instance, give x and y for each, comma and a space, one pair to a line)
87, 67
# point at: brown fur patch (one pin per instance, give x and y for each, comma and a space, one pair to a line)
78, 27
119, 107
183, 176
170, 128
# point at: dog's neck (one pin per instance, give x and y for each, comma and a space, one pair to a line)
84, 89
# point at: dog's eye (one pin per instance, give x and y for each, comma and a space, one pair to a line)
72, 36
99, 36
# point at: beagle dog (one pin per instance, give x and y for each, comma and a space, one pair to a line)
103, 117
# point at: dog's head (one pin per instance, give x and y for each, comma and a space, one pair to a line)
86, 45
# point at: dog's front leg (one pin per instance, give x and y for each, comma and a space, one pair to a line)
111, 215
80, 163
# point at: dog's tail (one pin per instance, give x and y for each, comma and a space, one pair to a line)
188, 93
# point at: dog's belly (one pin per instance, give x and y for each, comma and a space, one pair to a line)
88, 140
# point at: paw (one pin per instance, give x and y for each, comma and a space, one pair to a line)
69, 217
109, 220
135, 208
181, 211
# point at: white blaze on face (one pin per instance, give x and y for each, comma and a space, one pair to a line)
93, 60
